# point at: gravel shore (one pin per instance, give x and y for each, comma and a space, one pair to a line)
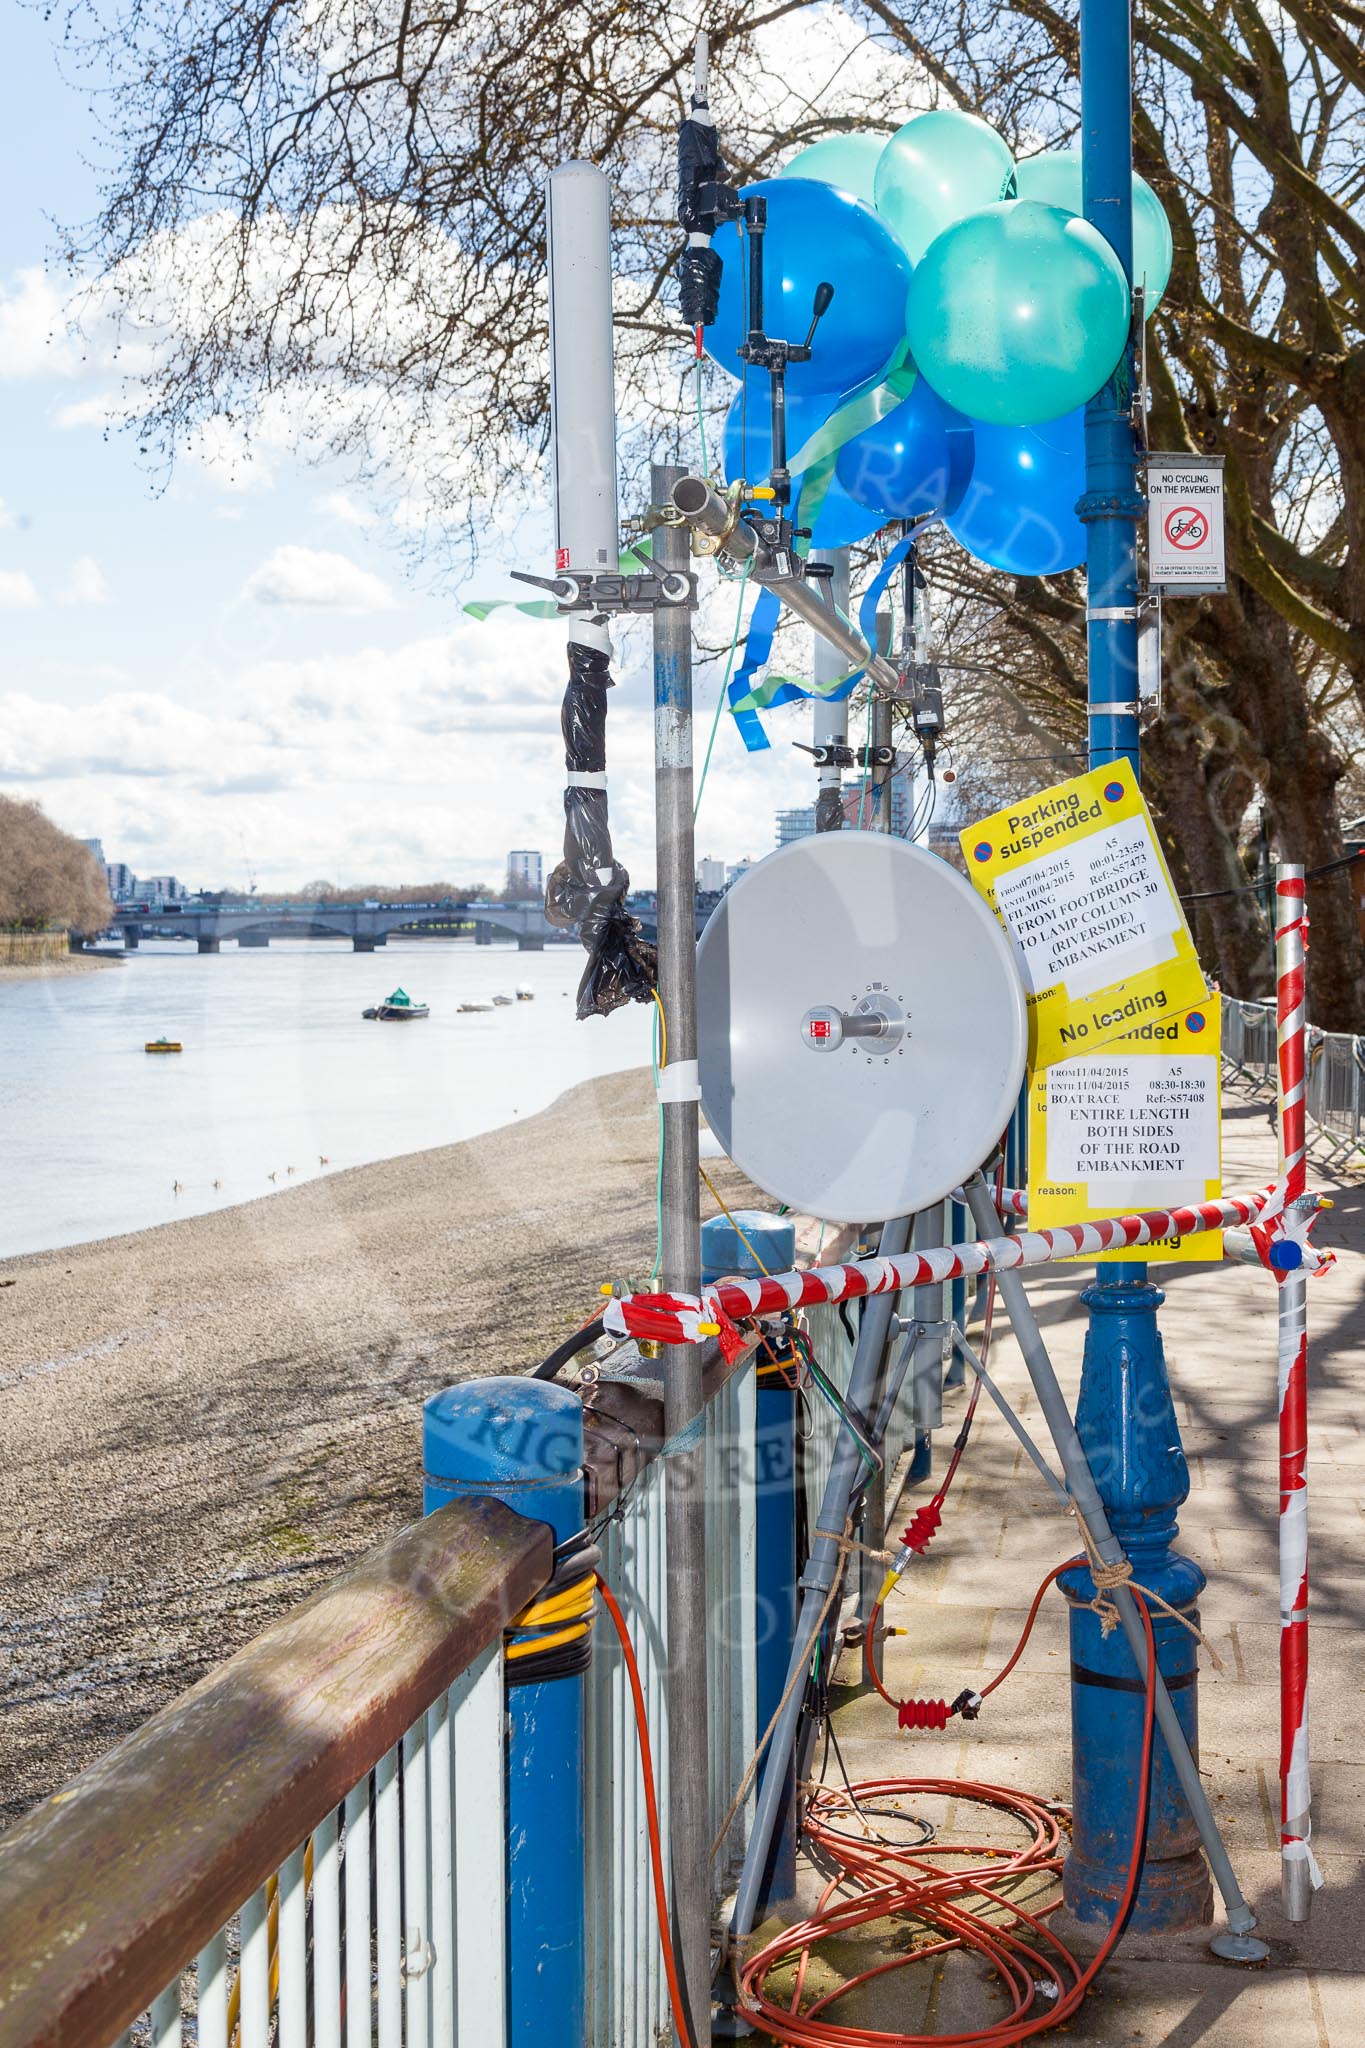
201, 1423
48, 970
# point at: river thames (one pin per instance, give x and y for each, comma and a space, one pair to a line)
280, 1073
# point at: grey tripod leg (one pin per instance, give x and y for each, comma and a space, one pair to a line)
1085, 1494
822, 1568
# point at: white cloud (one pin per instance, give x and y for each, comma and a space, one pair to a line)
33, 338
314, 576
382, 761
85, 584
16, 589
338, 505
6, 516
101, 409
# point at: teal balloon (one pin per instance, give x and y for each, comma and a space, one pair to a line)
1018, 513
1055, 178
1018, 313
848, 162
815, 235
748, 447
937, 169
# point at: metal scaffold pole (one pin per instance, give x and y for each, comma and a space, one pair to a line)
680, 1271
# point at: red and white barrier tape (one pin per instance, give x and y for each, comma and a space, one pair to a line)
686, 1319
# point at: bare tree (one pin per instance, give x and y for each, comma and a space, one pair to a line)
334, 215
47, 878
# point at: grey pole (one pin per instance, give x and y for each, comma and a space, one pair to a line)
829, 720
1086, 1496
680, 1272
823, 1567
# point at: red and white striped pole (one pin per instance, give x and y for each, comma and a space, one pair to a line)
1299, 1875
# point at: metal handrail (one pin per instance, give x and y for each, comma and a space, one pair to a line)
251, 1759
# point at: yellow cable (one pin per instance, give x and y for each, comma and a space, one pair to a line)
663, 1030
568, 1604
742, 1238
551, 1642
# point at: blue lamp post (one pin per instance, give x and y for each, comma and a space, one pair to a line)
1124, 1416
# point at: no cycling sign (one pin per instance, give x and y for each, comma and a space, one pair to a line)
1185, 523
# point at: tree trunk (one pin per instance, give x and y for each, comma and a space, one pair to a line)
1230, 932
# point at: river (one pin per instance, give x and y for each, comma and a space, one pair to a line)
281, 1079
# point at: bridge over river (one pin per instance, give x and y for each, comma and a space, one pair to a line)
367, 925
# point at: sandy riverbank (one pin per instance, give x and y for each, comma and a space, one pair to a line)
62, 964
200, 1423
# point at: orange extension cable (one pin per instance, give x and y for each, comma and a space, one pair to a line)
656, 1856
889, 1880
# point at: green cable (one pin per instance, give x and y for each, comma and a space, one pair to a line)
701, 420
724, 686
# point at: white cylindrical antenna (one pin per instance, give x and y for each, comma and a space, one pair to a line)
582, 378
701, 77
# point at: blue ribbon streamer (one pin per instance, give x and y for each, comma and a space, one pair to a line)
758, 646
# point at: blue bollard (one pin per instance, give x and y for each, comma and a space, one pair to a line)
723, 1251
1142, 1478
520, 1441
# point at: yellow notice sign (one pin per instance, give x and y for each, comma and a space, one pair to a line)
1078, 880
1133, 1127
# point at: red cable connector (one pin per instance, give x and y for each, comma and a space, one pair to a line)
924, 1526
923, 1713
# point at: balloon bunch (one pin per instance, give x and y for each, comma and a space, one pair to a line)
975, 312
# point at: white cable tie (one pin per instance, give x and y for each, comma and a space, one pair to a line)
586, 778
678, 1082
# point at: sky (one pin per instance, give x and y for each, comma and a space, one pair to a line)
236, 674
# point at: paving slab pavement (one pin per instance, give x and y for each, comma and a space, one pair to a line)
964, 1604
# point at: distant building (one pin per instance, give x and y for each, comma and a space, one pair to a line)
733, 872
526, 873
710, 876
96, 847
121, 880
165, 889
795, 825
862, 805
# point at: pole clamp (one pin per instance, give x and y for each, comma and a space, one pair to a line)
579, 593
1120, 707
1112, 613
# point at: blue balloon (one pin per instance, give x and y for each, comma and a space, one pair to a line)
1019, 510
815, 235
748, 454
916, 460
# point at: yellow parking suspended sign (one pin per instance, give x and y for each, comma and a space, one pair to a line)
1078, 880
1136, 1126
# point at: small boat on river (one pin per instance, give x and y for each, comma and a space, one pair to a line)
502, 1002
399, 1008
469, 1009
163, 1045
525, 993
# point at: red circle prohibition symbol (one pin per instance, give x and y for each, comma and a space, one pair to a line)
1186, 527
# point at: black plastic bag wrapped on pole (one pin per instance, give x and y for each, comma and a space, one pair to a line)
588, 888
704, 201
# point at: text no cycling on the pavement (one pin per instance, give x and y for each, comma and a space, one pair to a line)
1185, 547
1077, 878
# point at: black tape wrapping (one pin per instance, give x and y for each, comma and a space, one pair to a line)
829, 810
699, 267
699, 163
698, 286
588, 888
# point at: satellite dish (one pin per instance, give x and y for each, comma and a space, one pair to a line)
862, 1026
